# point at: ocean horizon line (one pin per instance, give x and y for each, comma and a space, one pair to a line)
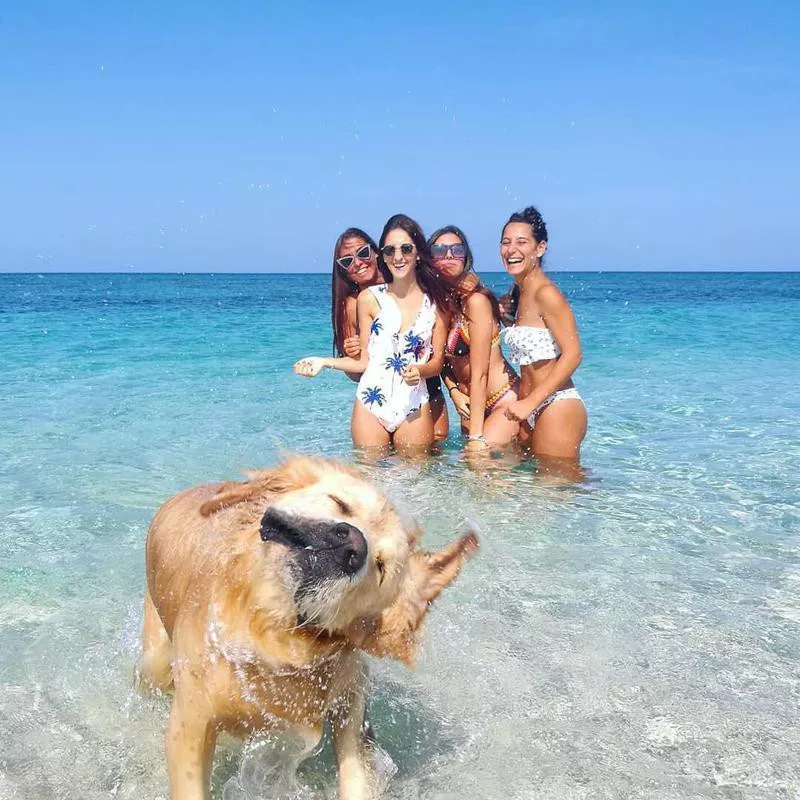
587, 271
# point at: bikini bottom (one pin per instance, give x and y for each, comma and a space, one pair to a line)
561, 394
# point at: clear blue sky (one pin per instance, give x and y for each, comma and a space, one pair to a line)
243, 136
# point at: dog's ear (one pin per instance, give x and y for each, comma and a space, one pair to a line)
229, 494
414, 533
394, 633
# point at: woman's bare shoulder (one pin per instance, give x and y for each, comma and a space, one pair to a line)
548, 297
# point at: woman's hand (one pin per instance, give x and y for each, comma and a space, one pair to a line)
517, 411
309, 367
461, 402
352, 346
411, 375
476, 443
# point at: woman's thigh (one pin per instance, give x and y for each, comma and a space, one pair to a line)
365, 428
416, 430
559, 430
498, 428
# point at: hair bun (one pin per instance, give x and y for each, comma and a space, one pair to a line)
533, 217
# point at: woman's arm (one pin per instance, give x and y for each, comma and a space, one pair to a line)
558, 317
433, 366
481, 327
458, 398
311, 366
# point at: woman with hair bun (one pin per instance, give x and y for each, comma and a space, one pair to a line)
544, 341
402, 327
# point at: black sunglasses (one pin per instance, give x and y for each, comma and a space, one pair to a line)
439, 251
362, 254
388, 249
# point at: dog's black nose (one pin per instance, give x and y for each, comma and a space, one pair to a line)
352, 547
328, 547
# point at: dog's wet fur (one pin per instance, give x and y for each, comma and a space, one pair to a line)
262, 597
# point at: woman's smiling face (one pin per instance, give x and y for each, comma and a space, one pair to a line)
400, 263
450, 265
519, 249
363, 271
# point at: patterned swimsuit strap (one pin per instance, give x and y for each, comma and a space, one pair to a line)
512, 384
461, 330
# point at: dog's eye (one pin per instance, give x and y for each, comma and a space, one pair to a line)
343, 507
381, 569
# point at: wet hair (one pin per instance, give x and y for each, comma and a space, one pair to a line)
463, 290
428, 278
343, 286
532, 217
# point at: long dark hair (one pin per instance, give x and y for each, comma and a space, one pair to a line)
343, 286
532, 217
427, 277
467, 283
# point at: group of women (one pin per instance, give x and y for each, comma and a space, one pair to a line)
410, 314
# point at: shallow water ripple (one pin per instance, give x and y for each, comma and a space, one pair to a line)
636, 636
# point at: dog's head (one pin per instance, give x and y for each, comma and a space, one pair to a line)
327, 550
342, 548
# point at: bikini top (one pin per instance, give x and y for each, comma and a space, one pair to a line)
458, 339
529, 344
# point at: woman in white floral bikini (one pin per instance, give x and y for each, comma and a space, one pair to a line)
402, 326
545, 343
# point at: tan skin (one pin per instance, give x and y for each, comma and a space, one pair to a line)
416, 431
470, 379
366, 273
561, 426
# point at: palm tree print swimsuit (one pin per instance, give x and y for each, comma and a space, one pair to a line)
382, 388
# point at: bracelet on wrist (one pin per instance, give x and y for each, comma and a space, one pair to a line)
479, 438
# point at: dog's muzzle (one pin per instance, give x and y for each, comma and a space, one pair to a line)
325, 548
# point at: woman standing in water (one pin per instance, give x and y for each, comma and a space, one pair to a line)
544, 341
356, 267
402, 327
476, 374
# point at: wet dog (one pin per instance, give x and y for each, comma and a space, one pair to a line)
262, 597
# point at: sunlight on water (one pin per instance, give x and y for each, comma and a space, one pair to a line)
634, 636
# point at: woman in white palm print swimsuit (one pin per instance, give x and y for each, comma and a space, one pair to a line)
402, 326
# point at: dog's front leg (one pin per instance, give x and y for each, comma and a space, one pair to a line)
190, 742
350, 746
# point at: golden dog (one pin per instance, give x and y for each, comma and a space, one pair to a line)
261, 595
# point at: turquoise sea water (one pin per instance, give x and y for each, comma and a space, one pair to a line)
637, 636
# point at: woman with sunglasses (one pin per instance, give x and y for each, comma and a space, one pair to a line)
476, 374
402, 328
545, 343
356, 267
